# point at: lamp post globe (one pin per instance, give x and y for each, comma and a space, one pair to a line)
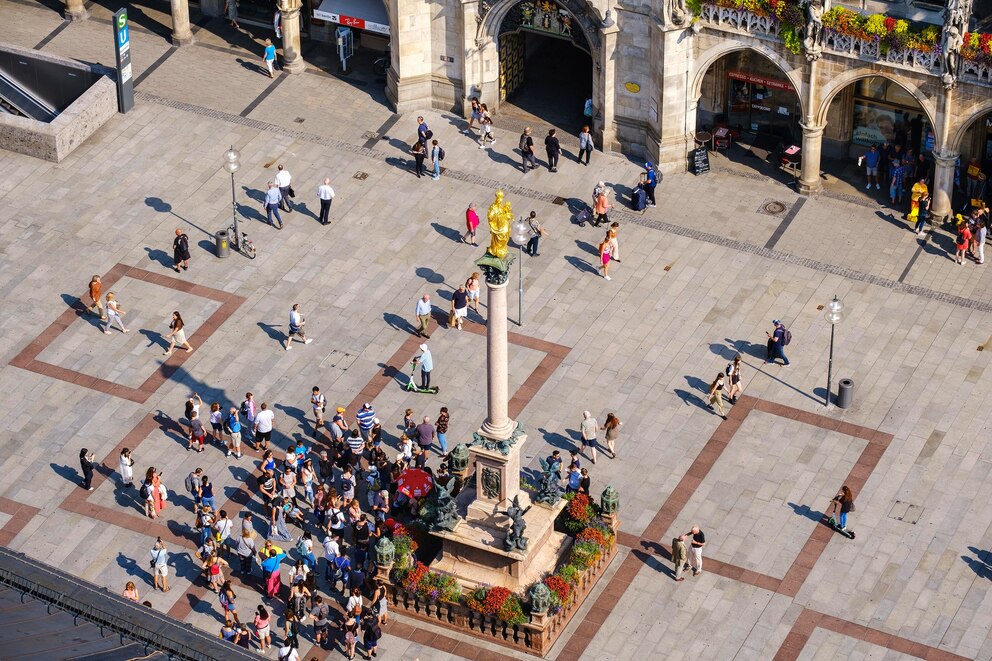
834, 314
232, 163
520, 233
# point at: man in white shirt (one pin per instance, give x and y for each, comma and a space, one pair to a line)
424, 315
264, 421
283, 181
223, 527
296, 322
326, 195
331, 551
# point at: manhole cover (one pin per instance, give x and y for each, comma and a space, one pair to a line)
905, 512
772, 208
361, 176
370, 135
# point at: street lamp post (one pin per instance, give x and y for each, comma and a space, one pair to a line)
232, 164
521, 234
834, 315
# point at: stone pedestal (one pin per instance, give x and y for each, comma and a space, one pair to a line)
182, 35
497, 481
75, 11
292, 61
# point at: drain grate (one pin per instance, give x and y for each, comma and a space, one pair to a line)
772, 207
906, 512
361, 176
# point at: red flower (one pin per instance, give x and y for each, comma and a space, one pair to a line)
890, 23
562, 589
494, 600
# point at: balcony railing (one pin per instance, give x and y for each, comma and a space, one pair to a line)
871, 49
740, 19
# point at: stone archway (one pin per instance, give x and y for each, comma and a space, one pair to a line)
972, 115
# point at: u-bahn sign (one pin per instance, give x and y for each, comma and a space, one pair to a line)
122, 50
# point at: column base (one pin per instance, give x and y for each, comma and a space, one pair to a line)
182, 40
76, 16
498, 433
298, 65
809, 187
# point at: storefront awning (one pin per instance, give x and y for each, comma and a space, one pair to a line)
362, 14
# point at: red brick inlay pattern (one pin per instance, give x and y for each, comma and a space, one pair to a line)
28, 357
20, 516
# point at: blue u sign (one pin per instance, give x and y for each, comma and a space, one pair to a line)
122, 36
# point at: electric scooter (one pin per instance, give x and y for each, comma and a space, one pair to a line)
412, 386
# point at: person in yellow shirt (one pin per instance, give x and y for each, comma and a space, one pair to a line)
919, 191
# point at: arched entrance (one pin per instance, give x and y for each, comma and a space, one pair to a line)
545, 64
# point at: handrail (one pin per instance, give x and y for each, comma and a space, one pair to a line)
23, 100
110, 611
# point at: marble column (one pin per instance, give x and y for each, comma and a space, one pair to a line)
498, 424
75, 11
604, 106
182, 35
809, 178
943, 184
292, 60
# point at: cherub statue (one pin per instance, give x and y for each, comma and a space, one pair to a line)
515, 539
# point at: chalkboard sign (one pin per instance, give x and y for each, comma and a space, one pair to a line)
700, 161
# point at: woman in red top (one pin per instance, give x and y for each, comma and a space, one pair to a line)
471, 224
962, 243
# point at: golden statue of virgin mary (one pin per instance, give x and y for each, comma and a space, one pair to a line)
500, 216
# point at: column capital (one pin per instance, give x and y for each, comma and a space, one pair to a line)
945, 157
812, 130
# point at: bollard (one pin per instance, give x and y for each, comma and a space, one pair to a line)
845, 393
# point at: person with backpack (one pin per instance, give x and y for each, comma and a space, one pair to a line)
486, 128
527, 149
437, 155
370, 635
733, 372
777, 341
649, 182
320, 612
423, 132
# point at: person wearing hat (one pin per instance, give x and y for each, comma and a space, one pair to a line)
426, 362
776, 343
649, 182
365, 419
339, 426
269, 57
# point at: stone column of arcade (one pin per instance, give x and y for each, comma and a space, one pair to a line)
809, 178
943, 183
606, 74
182, 35
75, 11
292, 61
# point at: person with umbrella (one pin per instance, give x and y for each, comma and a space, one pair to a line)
412, 485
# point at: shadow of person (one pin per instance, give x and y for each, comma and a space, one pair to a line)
132, 568
128, 497
982, 569
581, 264
82, 312
391, 372
270, 330
305, 210
154, 338
67, 472
399, 323
170, 427
160, 257
690, 398
447, 232
254, 194
587, 247
430, 275
745, 348
621, 193
697, 384
805, 511
251, 213
252, 66
554, 439
296, 414
654, 563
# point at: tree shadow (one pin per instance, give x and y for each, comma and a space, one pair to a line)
270, 330
447, 232
430, 275
161, 257
154, 338
556, 440
804, 510
587, 247
67, 472
581, 264
399, 323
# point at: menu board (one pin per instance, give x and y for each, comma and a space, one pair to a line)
700, 161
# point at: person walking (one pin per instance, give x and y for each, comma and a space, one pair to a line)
86, 466
426, 362
585, 145
611, 235
180, 251
231, 7
159, 564
612, 429
263, 624
716, 394
459, 306
423, 314
269, 56
734, 374
233, 427
536, 232
471, 224
319, 404
680, 556
649, 182
115, 314
441, 427
696, 549
475, 114
604, 257
486, 128
553, 148
177, 334
527, 150
326, 195
273, 200
296, 324
588, 430
843, 501
126, 467
473, 288
96, 289
437, 155
419, 152
777, 341
284, 181
601, 207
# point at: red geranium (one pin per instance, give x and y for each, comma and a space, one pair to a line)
494, 600
561, 588
594, 535
890, 24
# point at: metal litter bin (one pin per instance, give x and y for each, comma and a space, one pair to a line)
845, 393
223, 246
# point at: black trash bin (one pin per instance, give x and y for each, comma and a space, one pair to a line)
223, 246
845, 393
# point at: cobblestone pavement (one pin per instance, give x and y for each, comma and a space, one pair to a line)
701, 278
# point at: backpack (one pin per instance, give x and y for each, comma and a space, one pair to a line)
191, 482
730, 369
523, 143
244, 409
440, 153
428, 134
786, 337
143, 491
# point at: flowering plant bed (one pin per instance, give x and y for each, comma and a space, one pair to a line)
977, 48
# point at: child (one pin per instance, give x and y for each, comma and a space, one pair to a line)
406, 448
408, 424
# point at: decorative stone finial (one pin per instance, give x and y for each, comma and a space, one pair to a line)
609, 501
385, 552
540, 598
458, 458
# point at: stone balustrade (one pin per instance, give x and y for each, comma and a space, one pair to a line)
739, 19
973, 71
871, 49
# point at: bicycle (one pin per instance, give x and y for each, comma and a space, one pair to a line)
381, 64
244, 244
